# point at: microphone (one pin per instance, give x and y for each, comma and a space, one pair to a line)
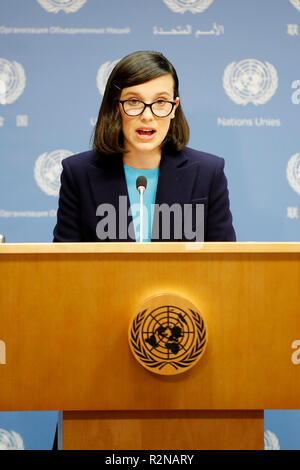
141, 185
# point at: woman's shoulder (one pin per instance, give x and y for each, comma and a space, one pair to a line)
79, 160
202, 158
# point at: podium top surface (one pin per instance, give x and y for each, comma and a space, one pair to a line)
156, 247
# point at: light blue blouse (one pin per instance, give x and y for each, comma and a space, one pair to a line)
149, 197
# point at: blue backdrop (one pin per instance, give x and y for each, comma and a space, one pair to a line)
238, 65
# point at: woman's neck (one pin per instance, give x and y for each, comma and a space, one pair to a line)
143, 161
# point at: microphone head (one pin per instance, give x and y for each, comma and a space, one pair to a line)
141, 181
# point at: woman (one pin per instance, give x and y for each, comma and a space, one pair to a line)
141, 130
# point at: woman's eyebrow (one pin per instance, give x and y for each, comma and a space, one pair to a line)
134, 93
161, 93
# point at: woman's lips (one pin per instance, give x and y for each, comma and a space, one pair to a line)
145, 134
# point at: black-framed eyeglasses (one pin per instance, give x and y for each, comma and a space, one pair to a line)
159, 108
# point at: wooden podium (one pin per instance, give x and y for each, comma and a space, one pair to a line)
64, 316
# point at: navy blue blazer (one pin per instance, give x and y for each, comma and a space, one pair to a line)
192, 177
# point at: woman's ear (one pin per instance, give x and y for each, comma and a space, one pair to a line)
175, 107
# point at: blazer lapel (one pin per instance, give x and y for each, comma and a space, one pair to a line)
175, 185
108, 184
107, 179
172, 180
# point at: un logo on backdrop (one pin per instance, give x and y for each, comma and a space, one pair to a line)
68, 6
13, 81
103, 73
10, 440
47, 170
250, 81
293, 172
271, 441
296, 4
194, 6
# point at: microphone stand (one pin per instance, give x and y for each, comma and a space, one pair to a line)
141, 191
141, 185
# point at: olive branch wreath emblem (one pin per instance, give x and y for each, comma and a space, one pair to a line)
259, 98
188, 359
291, 172
296, 4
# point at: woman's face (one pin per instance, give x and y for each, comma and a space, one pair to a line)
146, 132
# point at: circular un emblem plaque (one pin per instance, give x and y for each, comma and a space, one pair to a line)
293, 172
168, 335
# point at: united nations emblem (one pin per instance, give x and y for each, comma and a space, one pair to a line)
250, 81
103, 73
167, 336
68, 6
13, 81
47, 170
293, 172
296, 4
10, 440
271, 441
194, 6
